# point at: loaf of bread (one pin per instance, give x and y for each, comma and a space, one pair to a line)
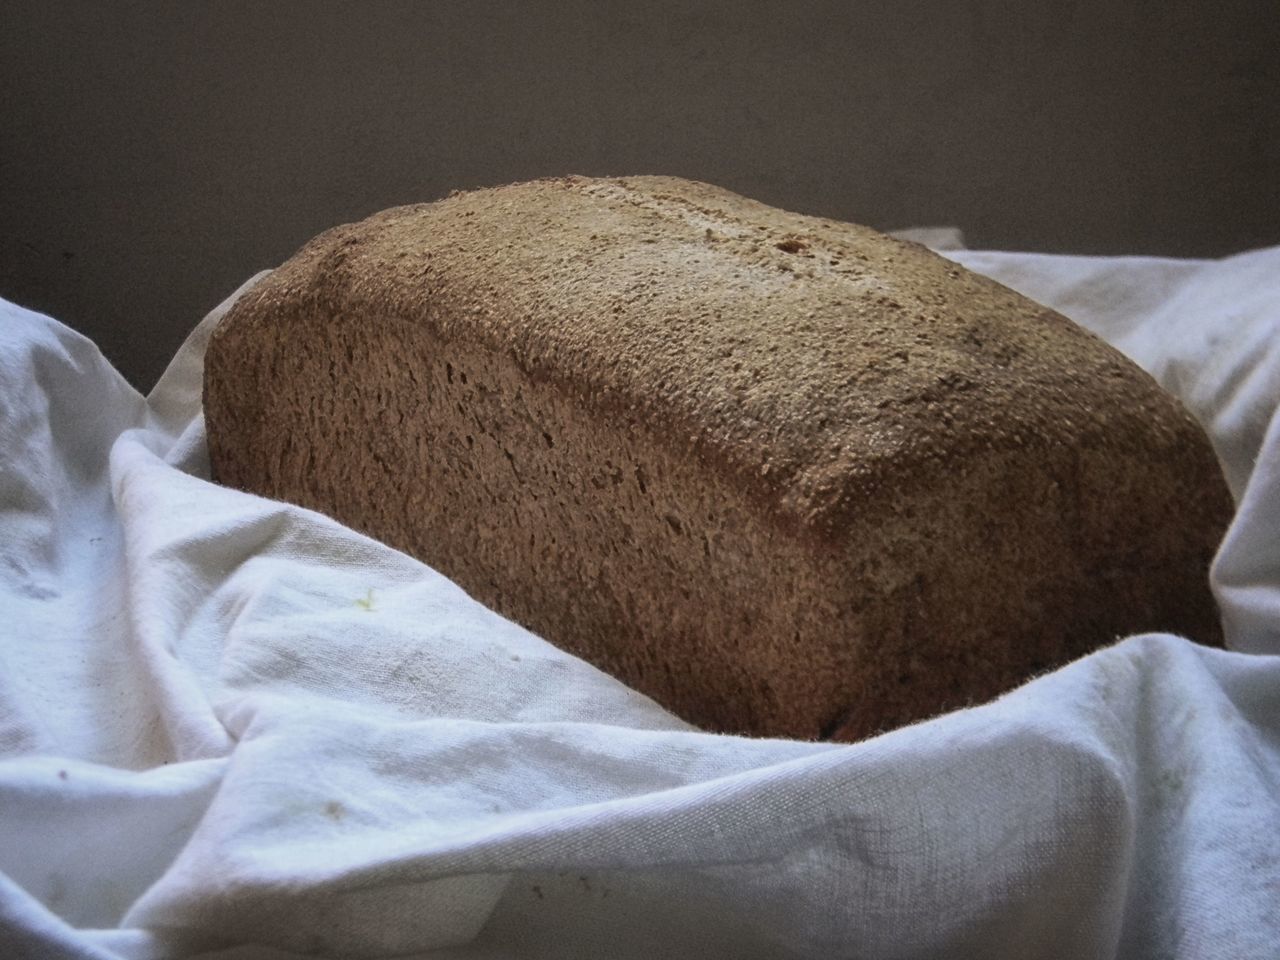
787, 476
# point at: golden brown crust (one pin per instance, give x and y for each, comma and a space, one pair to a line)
898, 485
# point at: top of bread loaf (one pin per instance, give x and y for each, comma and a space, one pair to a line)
958, 362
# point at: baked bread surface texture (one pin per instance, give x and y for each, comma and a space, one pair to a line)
787, 476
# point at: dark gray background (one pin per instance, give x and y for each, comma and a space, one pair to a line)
154, 155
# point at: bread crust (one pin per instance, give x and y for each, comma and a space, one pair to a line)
787, 476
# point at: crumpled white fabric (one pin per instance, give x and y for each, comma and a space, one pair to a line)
232, 728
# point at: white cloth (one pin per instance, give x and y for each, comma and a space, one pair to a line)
232, 728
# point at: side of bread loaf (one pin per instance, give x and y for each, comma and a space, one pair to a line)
787, 476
